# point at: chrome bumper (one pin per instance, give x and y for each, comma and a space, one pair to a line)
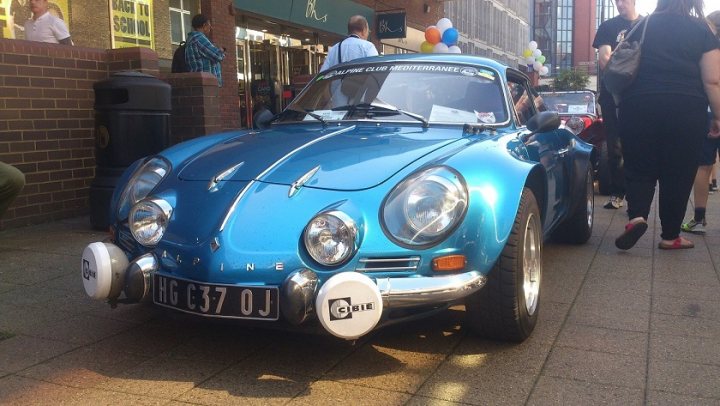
407, 292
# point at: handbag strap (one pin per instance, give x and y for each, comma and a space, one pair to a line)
645, 24
340, 46
340, 50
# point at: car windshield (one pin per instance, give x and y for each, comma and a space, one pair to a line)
423, 92
570, 102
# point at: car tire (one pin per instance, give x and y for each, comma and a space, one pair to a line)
603, 172
577, 228
506, 308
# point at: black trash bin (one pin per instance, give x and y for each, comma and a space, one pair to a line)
132, 120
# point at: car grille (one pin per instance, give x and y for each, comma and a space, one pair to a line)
400, 264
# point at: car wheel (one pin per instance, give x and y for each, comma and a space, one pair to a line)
506, 308
603, 172
577, 228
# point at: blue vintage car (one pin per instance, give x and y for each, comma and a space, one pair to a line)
390, 188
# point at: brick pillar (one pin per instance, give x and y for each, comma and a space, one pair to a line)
195, 105
139, 59
222, 16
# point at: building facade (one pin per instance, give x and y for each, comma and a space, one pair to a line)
497, 29
565, 29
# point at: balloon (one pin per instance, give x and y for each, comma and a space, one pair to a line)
443, 24
527, 53
426, 47
540, 59
440, 48
450, 36
432, 34
536, 52
530, 60
544, 71
454, 49
532, 45
537, 66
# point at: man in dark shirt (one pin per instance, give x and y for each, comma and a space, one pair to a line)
607, 37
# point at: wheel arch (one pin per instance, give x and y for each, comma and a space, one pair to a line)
538, 185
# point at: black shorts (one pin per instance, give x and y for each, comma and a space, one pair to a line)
710, 149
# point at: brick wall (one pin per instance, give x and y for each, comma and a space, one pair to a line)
47, 122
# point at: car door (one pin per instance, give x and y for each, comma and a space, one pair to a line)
551, 149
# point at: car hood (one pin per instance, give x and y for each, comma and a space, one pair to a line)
349, 157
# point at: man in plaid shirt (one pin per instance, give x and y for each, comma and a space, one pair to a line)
201, 55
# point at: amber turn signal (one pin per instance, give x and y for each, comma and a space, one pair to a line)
449, 263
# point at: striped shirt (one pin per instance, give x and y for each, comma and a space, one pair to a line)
202, 56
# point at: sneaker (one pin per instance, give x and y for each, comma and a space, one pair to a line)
694, 227
712, 188
615, 203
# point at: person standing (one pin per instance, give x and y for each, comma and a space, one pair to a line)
705, 172
45, 27
11, 183
354, 46
19, 13
663, 117
201, 55
608, 35
262, 116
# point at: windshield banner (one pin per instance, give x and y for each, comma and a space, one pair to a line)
420, 68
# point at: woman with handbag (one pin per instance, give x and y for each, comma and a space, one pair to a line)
663, 117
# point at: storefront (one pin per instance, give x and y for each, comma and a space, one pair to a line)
409, 44
281, 44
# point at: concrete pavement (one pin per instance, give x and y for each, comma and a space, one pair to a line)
625, 328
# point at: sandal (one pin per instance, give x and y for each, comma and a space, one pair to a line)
679, 243
633, 232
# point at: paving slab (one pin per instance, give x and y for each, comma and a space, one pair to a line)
625, 328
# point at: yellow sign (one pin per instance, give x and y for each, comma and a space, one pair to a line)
131, 23
14, 13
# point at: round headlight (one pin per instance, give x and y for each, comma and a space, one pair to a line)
430, 206
148, 221
425, 207
330, 238
142, 182
575, 124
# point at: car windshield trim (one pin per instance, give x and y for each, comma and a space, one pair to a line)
396, 87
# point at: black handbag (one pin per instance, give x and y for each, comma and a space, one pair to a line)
622, 68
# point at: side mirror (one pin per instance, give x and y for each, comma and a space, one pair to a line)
544, 121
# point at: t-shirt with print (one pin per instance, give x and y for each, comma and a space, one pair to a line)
611, 32
671, 52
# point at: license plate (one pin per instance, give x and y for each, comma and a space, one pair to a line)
227, 301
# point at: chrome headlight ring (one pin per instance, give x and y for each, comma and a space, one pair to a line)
148, 221
331, 238
142, 183
575, 124
425, 207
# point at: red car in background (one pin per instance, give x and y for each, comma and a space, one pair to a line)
580, 114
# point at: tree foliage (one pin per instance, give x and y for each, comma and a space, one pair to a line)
571, 79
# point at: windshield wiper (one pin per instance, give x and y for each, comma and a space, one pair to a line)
382, 106
309, 113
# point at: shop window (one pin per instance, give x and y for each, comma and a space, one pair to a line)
181, 14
